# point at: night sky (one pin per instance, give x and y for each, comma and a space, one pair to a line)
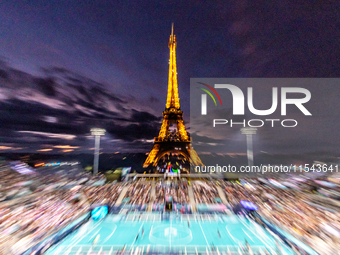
68, 66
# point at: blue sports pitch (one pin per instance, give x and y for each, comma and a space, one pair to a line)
186, 234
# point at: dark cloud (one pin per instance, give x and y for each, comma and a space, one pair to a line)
3, 74
46, 86
144, 117
61, 107
134, 131
17, 115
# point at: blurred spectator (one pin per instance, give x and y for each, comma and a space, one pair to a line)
205, 192
138, 193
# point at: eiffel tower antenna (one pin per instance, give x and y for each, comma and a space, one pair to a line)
172, 98
172, 32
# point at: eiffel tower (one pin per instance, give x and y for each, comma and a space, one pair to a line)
172, 141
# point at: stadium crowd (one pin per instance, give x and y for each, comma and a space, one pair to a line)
178, 191
18, 179
205, 192
28, 222
291, 210
27, 219
106, 194
13, 184
138, 193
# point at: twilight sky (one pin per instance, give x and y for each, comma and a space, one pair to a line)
67, 66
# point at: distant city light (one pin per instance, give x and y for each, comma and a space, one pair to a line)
57, 164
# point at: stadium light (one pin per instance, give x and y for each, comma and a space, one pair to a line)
249, 132
97, 132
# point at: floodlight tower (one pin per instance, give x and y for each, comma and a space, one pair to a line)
97, 132
249, 132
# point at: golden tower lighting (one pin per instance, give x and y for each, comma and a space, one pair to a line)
172, 114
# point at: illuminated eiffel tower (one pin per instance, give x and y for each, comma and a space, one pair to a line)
177, 140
